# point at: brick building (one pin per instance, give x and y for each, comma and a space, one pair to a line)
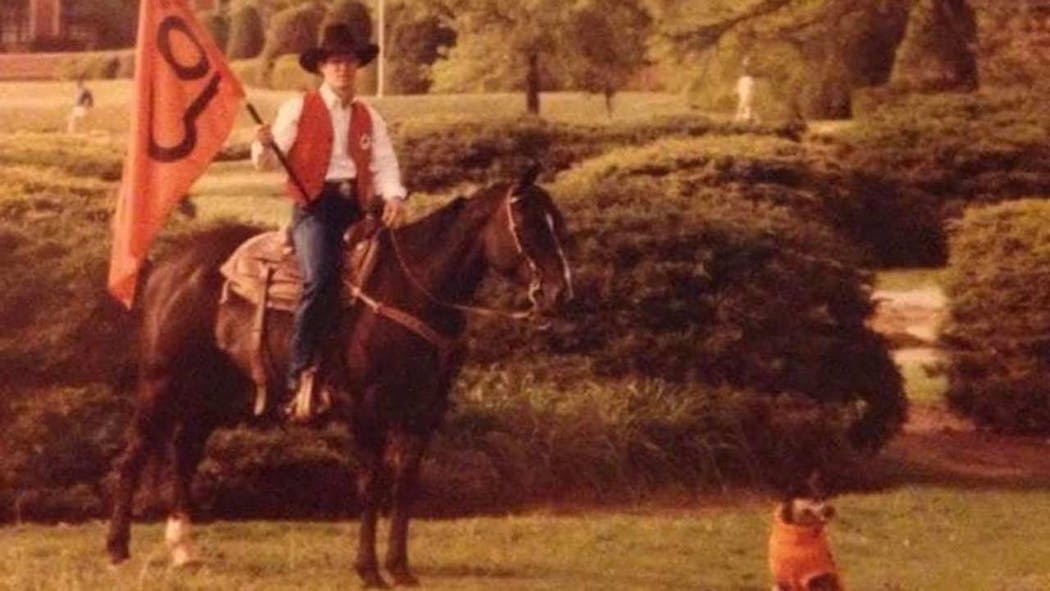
25, 23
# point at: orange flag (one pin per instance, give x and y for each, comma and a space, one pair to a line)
184, 105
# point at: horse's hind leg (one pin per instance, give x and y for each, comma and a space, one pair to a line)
405, 453
190, 442
150, 430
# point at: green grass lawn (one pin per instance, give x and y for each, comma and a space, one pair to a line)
914, 538
909, 279
923, 385
42, 106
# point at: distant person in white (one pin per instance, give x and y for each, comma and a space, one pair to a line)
745, 92
82, 103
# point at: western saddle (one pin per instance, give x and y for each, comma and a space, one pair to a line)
265, 271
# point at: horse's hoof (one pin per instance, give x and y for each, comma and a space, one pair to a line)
182, 557
115, 565
373, 580
405, 579
118, 557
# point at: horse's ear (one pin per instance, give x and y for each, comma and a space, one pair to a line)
528, 177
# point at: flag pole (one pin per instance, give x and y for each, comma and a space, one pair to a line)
381, 65
280, 154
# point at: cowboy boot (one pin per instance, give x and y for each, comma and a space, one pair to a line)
300, 408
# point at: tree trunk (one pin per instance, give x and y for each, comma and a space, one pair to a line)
532, 85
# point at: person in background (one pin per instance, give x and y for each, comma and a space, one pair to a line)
82, 103
340, 151
745, 92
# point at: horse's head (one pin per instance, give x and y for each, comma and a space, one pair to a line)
524, 241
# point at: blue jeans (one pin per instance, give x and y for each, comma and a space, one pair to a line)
317, 233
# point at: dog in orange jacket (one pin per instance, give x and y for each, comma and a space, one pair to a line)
799, 553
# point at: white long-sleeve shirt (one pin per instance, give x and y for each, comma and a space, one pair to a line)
385, 169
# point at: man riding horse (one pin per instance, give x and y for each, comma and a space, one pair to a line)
340, 158
203, 342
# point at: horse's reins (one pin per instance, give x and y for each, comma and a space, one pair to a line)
444, 344
534, 285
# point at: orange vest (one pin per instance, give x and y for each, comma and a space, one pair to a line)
312, 150
798, 554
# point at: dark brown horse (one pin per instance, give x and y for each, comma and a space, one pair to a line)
192, 376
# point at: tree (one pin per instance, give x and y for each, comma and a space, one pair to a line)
823, 48
293, 30
417, 35
536, 43
218, 24
608, 46
247, 35
351, 13
114, 20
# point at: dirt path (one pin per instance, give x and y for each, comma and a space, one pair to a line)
936, 445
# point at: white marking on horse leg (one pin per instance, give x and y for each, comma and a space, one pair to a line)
177, 536
561, 254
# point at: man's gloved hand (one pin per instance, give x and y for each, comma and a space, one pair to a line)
264, 135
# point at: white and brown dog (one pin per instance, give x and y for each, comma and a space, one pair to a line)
799, 553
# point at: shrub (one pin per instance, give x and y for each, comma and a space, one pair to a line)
247, 35
998, 325
126, 65
57, 444
287, 75
253, 72
351, 13
443, 152
217, 22
892, 223
293, 30
739, 284
680, 284
277, 473
942, 152
52, 44
101, 65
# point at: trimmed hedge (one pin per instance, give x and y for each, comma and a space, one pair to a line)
97, 65
285, 74
947, 151
247, 35
293, 30
440, 152
998, 329
251, 72
580, 420
893, 224
217, 23
739, 284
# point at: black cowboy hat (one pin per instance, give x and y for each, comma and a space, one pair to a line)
338, 40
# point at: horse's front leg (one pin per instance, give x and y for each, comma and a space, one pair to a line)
405, 452
371, 485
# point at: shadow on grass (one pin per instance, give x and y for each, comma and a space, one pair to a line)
964, 460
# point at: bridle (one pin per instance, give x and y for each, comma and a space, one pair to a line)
448, 345
535, 282
535, 279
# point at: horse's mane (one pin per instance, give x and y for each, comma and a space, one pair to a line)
435, 226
